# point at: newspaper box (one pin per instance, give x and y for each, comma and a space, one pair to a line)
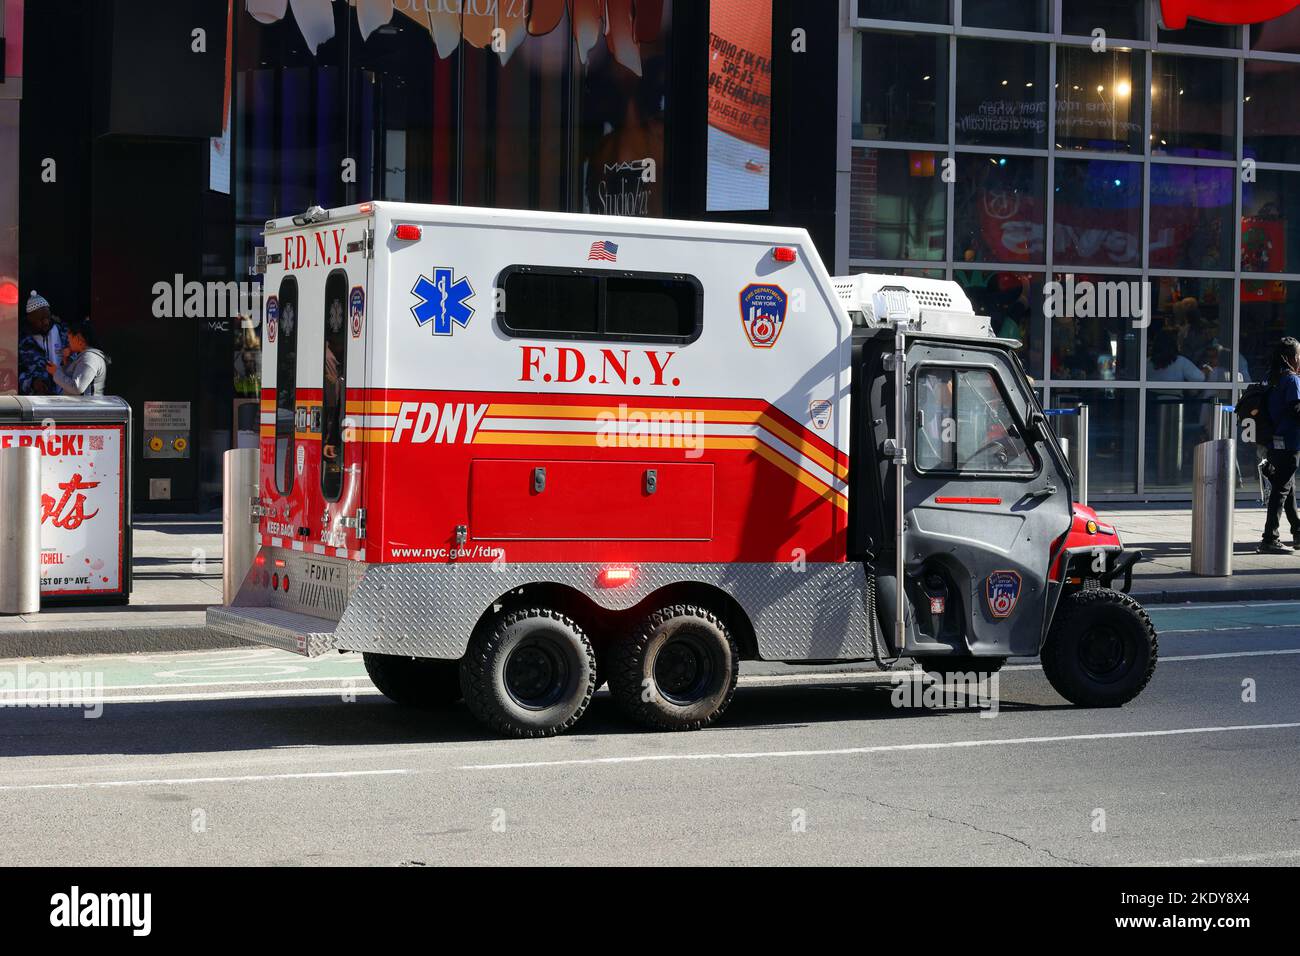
85, 492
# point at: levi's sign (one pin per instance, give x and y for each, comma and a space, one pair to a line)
1175, 13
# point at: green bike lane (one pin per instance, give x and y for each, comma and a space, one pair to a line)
1186, 630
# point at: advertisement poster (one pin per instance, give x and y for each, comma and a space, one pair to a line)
82, 499
740, 104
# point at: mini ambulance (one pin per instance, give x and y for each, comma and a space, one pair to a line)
511, 456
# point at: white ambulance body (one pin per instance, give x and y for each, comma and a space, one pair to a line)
507, 455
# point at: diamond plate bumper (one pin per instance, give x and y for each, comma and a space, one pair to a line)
287, 630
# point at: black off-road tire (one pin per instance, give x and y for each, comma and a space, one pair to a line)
1101, 650
531, 673
688, 687
420, 682
945, 667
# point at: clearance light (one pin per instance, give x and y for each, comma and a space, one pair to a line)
407, 232
365, 209
615, 577
784, 254
260, 560
1092, 527
279, 562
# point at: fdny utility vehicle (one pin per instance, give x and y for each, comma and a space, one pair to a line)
510, 456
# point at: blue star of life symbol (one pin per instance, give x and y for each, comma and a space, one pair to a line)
443, 300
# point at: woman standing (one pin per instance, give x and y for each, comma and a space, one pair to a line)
85, 374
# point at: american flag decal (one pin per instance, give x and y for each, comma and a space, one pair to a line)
603, 251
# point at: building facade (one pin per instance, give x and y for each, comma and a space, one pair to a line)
1123, 198
1120, 197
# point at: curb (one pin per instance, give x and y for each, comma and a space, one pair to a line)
1216, 595
87, 641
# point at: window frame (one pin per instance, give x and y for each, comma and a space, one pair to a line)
956, 368
341, 275
603, 276
287, 281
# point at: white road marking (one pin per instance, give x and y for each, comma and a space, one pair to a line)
883, 748
38, 698
647, 758
1226, 860
1215, 657
361, 676
187, 781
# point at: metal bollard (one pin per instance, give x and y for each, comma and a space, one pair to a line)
20, 530
239, 542
1214, 485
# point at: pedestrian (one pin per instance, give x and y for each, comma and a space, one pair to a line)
86, 365
42, 346
1284, 455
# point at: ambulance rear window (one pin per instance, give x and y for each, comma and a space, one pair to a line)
286, 384
600, 305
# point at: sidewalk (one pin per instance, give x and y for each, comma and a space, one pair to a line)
177, 571
178, 574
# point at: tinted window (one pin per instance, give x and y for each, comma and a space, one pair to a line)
963, 424
286, 381
334, 379
649, 307
578, 304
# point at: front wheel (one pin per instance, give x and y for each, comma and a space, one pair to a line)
1101, 650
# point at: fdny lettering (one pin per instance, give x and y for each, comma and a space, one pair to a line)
447, 424
564, 364
325, 248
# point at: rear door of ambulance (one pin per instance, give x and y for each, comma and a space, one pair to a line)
314, 365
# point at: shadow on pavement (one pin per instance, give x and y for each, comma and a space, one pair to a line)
233, 725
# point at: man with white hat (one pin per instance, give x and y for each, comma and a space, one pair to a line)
42, 345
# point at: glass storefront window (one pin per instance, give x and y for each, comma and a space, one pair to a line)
1099, 104
1272, 124
1096, 325
1112, 435
1201, 33
1193, 106
999, 213
900, 89
1001, 93
899, 205
1098, 213
1029, 15
1190, 337
1191, 217
1013, 301
1270, 309
1270, 223
924, 11
1278, 35
1177, 419
1121, 19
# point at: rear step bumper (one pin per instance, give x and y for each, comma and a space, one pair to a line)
287, 630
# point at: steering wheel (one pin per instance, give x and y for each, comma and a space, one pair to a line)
1003, 455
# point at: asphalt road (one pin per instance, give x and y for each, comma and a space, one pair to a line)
259, 757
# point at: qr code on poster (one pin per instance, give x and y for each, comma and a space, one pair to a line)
96, 442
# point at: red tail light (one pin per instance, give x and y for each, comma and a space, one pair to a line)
616, 577
407, 232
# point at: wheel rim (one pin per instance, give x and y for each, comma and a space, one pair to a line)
1104, 655
684, 669
536, 673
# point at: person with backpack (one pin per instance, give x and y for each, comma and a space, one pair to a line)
1283, 409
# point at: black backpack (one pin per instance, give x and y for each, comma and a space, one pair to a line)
1253, 407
